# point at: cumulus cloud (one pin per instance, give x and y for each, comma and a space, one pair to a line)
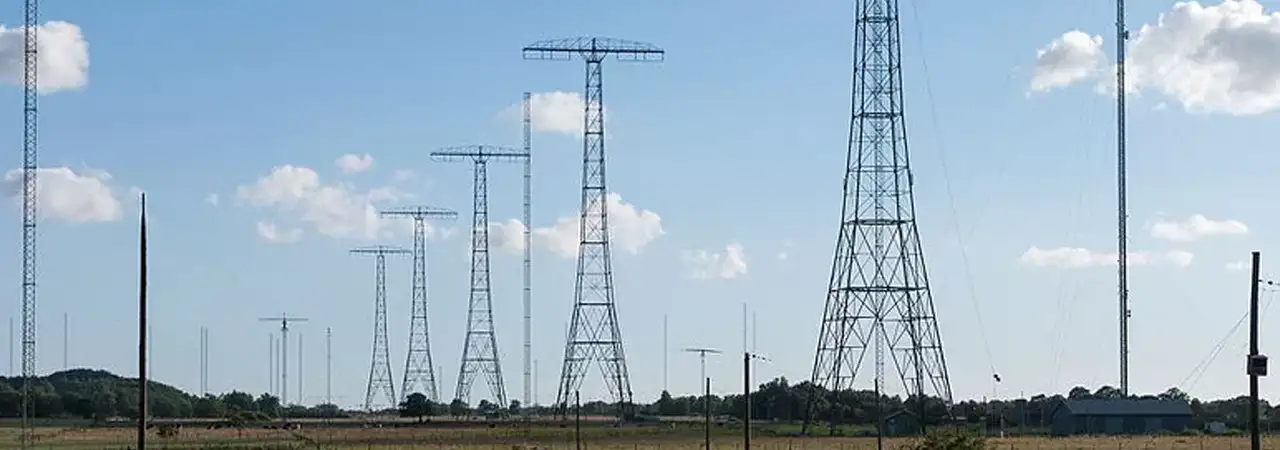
507, 236
62, 57
723, 265
1075, 257
212, 199
552, 112
70, 196
272, 233
631, 229
1195, 227
334, 210
1222, 58
1072, 57
352, 163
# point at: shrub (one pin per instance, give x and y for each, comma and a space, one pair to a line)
950, 439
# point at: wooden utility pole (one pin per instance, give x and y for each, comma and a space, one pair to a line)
142, 325
1257, 363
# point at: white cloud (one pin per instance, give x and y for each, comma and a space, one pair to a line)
63, 194
1195, 227
212, 199
631, 229
272, 233
1071, 57
338, 210
553, 112
726, 265
782, 256
352, 163
1237, 266
1222, 58
1075, 257
508, 236
63, 56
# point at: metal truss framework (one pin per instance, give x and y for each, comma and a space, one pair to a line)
380, 377
594, 334
419, 369
878, 298
480, 347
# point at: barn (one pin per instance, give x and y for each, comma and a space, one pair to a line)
1120, 416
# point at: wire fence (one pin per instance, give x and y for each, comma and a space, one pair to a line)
194, 438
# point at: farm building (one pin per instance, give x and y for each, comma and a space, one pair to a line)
1120, 416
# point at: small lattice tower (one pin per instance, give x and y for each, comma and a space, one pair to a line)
878, 297
381, 388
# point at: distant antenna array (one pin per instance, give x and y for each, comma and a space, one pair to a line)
284, 321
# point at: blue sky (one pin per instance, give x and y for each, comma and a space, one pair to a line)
737, 139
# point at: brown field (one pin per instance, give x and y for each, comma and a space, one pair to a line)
647, 438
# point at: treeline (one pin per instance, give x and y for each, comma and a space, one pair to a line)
97, 394
779, 401
101, 395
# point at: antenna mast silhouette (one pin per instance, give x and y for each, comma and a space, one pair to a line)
594, 334
878, 296
1122, 205
29, 157
480, 349
284, 320
380, 381
419, 370
204, 361
527, 275
144, 348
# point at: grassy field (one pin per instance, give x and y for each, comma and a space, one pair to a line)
638, 438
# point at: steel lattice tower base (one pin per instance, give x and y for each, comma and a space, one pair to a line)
419, 369
594, 334
878, 297
480, 347
380, 381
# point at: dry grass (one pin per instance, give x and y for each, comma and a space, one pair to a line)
552, 439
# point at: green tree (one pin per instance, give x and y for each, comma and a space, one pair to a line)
458, 408
416, 405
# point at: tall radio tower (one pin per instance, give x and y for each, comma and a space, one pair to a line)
480, 347
594, 334
29, 154
419, 370
380, 381
878, 296
1122, 206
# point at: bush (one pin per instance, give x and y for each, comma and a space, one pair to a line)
950, 439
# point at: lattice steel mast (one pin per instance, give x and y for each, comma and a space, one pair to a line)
527, 275
380, 378
1122, 206
594, 334
480, 347
878, 297
419, 370
284, 320
29, 156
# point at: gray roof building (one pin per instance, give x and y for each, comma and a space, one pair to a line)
1120, 416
